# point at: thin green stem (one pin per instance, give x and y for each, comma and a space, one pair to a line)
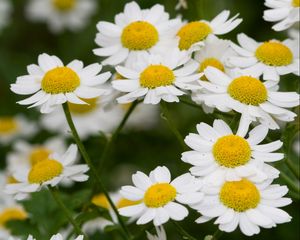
54, 192
291, 183
294, 169
92, 167
166, 116
217, 235
184, 233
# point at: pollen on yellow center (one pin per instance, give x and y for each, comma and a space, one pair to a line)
139, 35
100, 200
84, 108
8, 125
248, 90
60, 80
156, 76
231, 151
123, 202
274, 54
159, 195
10, 214
64, 5
191, 33
210, 62
39, 154
239, 195
44, 171
296, 3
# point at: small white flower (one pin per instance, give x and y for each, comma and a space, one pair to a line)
161, 234
52, 171
61, 14
270, 59
218, 154
194, 33
135, 31
255, 100
158, 195
53, 84
157, 77
5, 11
286, 12
57, 236
245, 204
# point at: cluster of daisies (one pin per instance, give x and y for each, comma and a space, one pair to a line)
157, 59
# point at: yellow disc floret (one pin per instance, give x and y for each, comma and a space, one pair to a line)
100, 200
44, 171
274, 54
248, 90
296, 3
231, 151
84, 108
159, 195
60, 80
64, 5
191, 33
8, 125
39, 154
139, 35
156, 76
123, 202
10, 214
240, 195
210, 62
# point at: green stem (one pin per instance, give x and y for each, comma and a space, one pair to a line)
92, 167
54, 192
166, 116
217, 235
295, 187
184, 233
294, 169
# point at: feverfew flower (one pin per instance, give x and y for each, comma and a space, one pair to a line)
61, 14
218, 154
255, 100
161, 234
270, 59
158, 195
245, 204
5, 11
194, 33
286, 12
135, 31
53, 84
51, 172
157, 77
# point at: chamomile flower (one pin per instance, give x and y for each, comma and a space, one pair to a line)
5, 11
53, 84
158, 194
161, 234
135, 31
194, 33
157, 77
285, 12
12, 127
218, 154
61, 14
270, 59
255, 100
51, 171
245, 204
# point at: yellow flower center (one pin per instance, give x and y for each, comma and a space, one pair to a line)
156, 76
10, 214
123, 202
84, 108
191, 33
296, 3
240, 195
64, 5
39, 154
210, 62
159, 195
44, 171
274, 54
60, 80
248, 90
8, 125
139, 35
11, 180
232, 151
100, 200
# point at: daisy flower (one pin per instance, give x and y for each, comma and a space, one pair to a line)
193, 33
285, 12
245, 204
218, 154
255, 100
57, 236
161, 234
48, 172
270, 59
61, 14
157, 77
135, 31
158, 195
15, 127
53, 84
5, 11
